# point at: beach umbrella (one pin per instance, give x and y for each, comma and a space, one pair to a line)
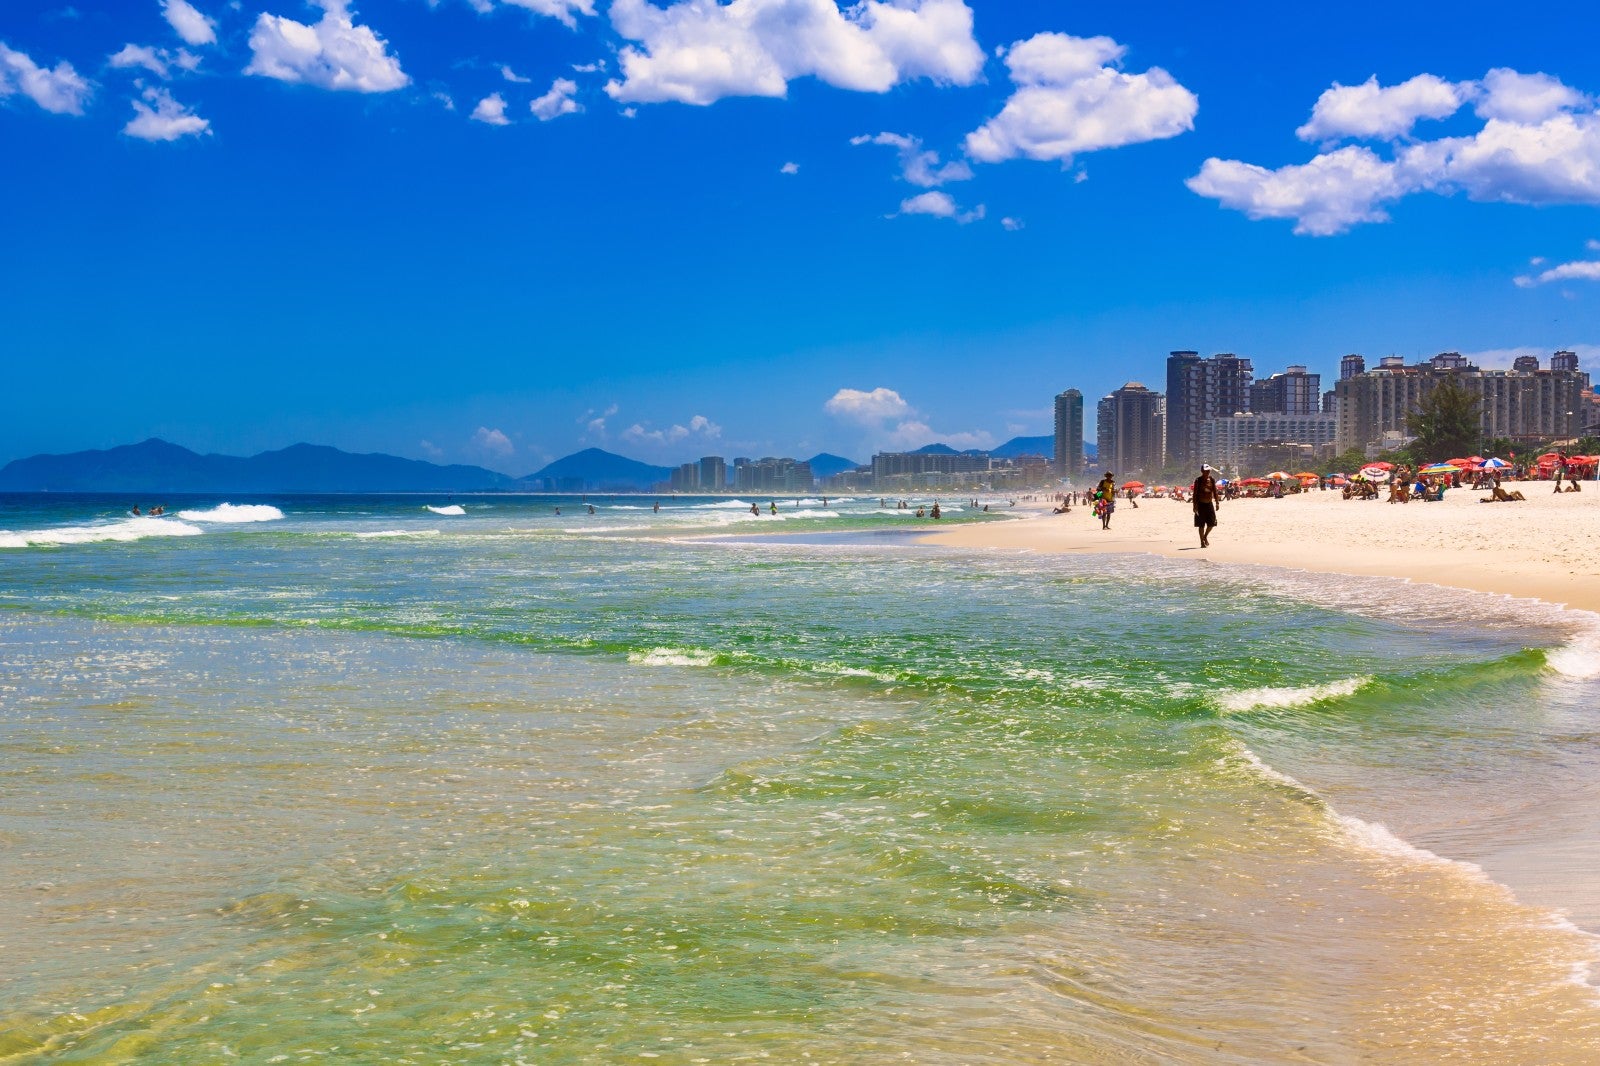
1338, 479
1278, 475
1378, 465
1461, 462
1133, 484
1493, 464
1376, 471
1439, 468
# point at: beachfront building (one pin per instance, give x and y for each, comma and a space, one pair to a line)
1198, 389
769, 475
1351, 365
1225, 442
925, 469
1069, 434
1132, 431
1531, 405
1293, 392
713, 473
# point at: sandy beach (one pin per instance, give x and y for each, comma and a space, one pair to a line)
1544, 548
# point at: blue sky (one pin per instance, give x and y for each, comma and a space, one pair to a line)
495, 232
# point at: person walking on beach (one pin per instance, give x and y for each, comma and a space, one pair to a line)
1105, 500
1204, 500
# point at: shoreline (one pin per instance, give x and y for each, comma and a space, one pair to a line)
1544, 548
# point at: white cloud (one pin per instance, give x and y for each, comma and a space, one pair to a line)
595, 423
1526, 98
789, 168
1368, 111
913, 434
867, 408
161, 118
444, 98
430, 449
1325, 196
699, 51
560, 10
189, 23
134, 55
590, 68
557, 102
1537, 158
1554, 161
1583, 270
61, 91
699, 427
1012, 224
1069, 100
1502, 358
918, 166
333, 54
512, 76
940, 205
492, 441
492, 110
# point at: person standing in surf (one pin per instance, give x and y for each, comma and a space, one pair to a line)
1204, 500
1105, 500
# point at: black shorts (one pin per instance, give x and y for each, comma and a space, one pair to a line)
1205, 514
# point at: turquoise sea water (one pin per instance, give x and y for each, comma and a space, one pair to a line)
345, 779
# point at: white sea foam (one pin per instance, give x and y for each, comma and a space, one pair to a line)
672, 657
234, 513
1258, 699
382, 533
1579, 658
448, 509
1375, 837
127, 530
721, 505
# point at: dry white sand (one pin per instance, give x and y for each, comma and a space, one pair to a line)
1546, 548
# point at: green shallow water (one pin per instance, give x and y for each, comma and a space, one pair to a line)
273, 795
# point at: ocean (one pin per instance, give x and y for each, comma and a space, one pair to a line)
459, 780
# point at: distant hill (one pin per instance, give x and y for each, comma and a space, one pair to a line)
936, 449
594, 470
157, 466
824, 464
1016, 446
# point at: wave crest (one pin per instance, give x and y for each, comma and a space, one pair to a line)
128, 530
233, 513
1262, 699
452, 509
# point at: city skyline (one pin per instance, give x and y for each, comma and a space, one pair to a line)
498, 232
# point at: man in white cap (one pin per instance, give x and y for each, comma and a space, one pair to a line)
1204, 501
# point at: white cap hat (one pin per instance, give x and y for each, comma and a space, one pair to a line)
1205, 466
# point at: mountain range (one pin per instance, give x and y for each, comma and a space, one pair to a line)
155, 466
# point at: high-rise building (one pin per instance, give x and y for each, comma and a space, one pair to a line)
1351, 365
1137, 439
1227, 441
1069, 434
1564, 361
1523, 405
1105, 429
772, 475
1198, 389
1293, 392
1525, 363
713, 474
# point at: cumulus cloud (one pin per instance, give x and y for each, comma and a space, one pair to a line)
893, 423
512, 76
1069, 99
594, 422
789, 168
1012, 224
700, 51
867, 408
190, 24
1368, 111
158, 117
430, 449
557, 102
918, 165
157, 61
333, 54
1526, 98
1582, 270
939, 205
1325, 196
60, 91
492, 441
492, 110
699, 427
1540, 144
